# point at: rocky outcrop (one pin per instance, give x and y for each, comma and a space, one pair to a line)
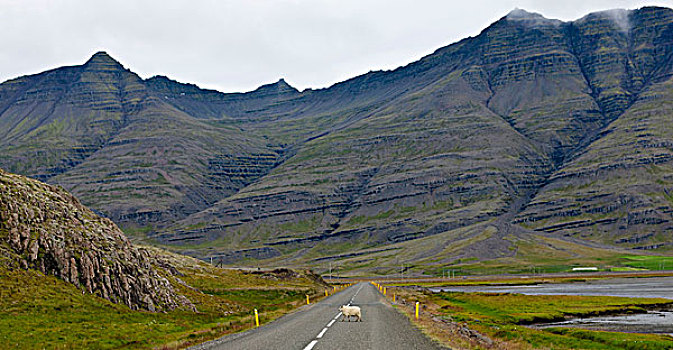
47, 229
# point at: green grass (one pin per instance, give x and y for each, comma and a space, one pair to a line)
649, 262
526, 309
301, 226
38, 311
250, 298
44, 312
356, 220
502, 315
539, 255
135, 232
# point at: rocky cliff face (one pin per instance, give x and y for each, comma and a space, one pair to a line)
559, 127
616, 189
504, 118
47, 229
99, 131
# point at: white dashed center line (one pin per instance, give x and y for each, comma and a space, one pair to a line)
322, 332
311, 345
315, 341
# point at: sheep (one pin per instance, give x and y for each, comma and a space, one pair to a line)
348, 311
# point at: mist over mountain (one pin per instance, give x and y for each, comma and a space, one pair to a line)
536, 132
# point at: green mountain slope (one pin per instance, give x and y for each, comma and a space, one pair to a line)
509, 110
616, 190
535, 127
98, 131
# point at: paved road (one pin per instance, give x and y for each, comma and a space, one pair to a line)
317, 327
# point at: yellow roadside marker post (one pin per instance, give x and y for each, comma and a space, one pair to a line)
256, 318
416, 310
307, 301
393, 298
385, 290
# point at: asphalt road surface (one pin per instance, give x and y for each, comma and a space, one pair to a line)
319, 327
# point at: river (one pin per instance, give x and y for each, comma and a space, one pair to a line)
651, 322
653, 287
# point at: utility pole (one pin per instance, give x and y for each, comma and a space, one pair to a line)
397, 261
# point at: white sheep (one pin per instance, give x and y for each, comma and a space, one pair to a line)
348, 311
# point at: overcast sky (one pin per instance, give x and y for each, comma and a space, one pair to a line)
237, 45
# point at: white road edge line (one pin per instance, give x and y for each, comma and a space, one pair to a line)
337, 316
331, 322
322, 333
311, 345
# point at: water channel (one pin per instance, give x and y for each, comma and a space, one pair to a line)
651, 322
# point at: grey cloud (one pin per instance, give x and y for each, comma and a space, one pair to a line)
237, 45
620, 17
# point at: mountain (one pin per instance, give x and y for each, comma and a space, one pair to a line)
100, 132
44, 228
617, 189
535, 130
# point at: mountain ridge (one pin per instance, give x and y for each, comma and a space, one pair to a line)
477, 131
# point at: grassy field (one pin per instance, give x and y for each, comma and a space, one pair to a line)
38, 311
649, 262
498, 320
505, 308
